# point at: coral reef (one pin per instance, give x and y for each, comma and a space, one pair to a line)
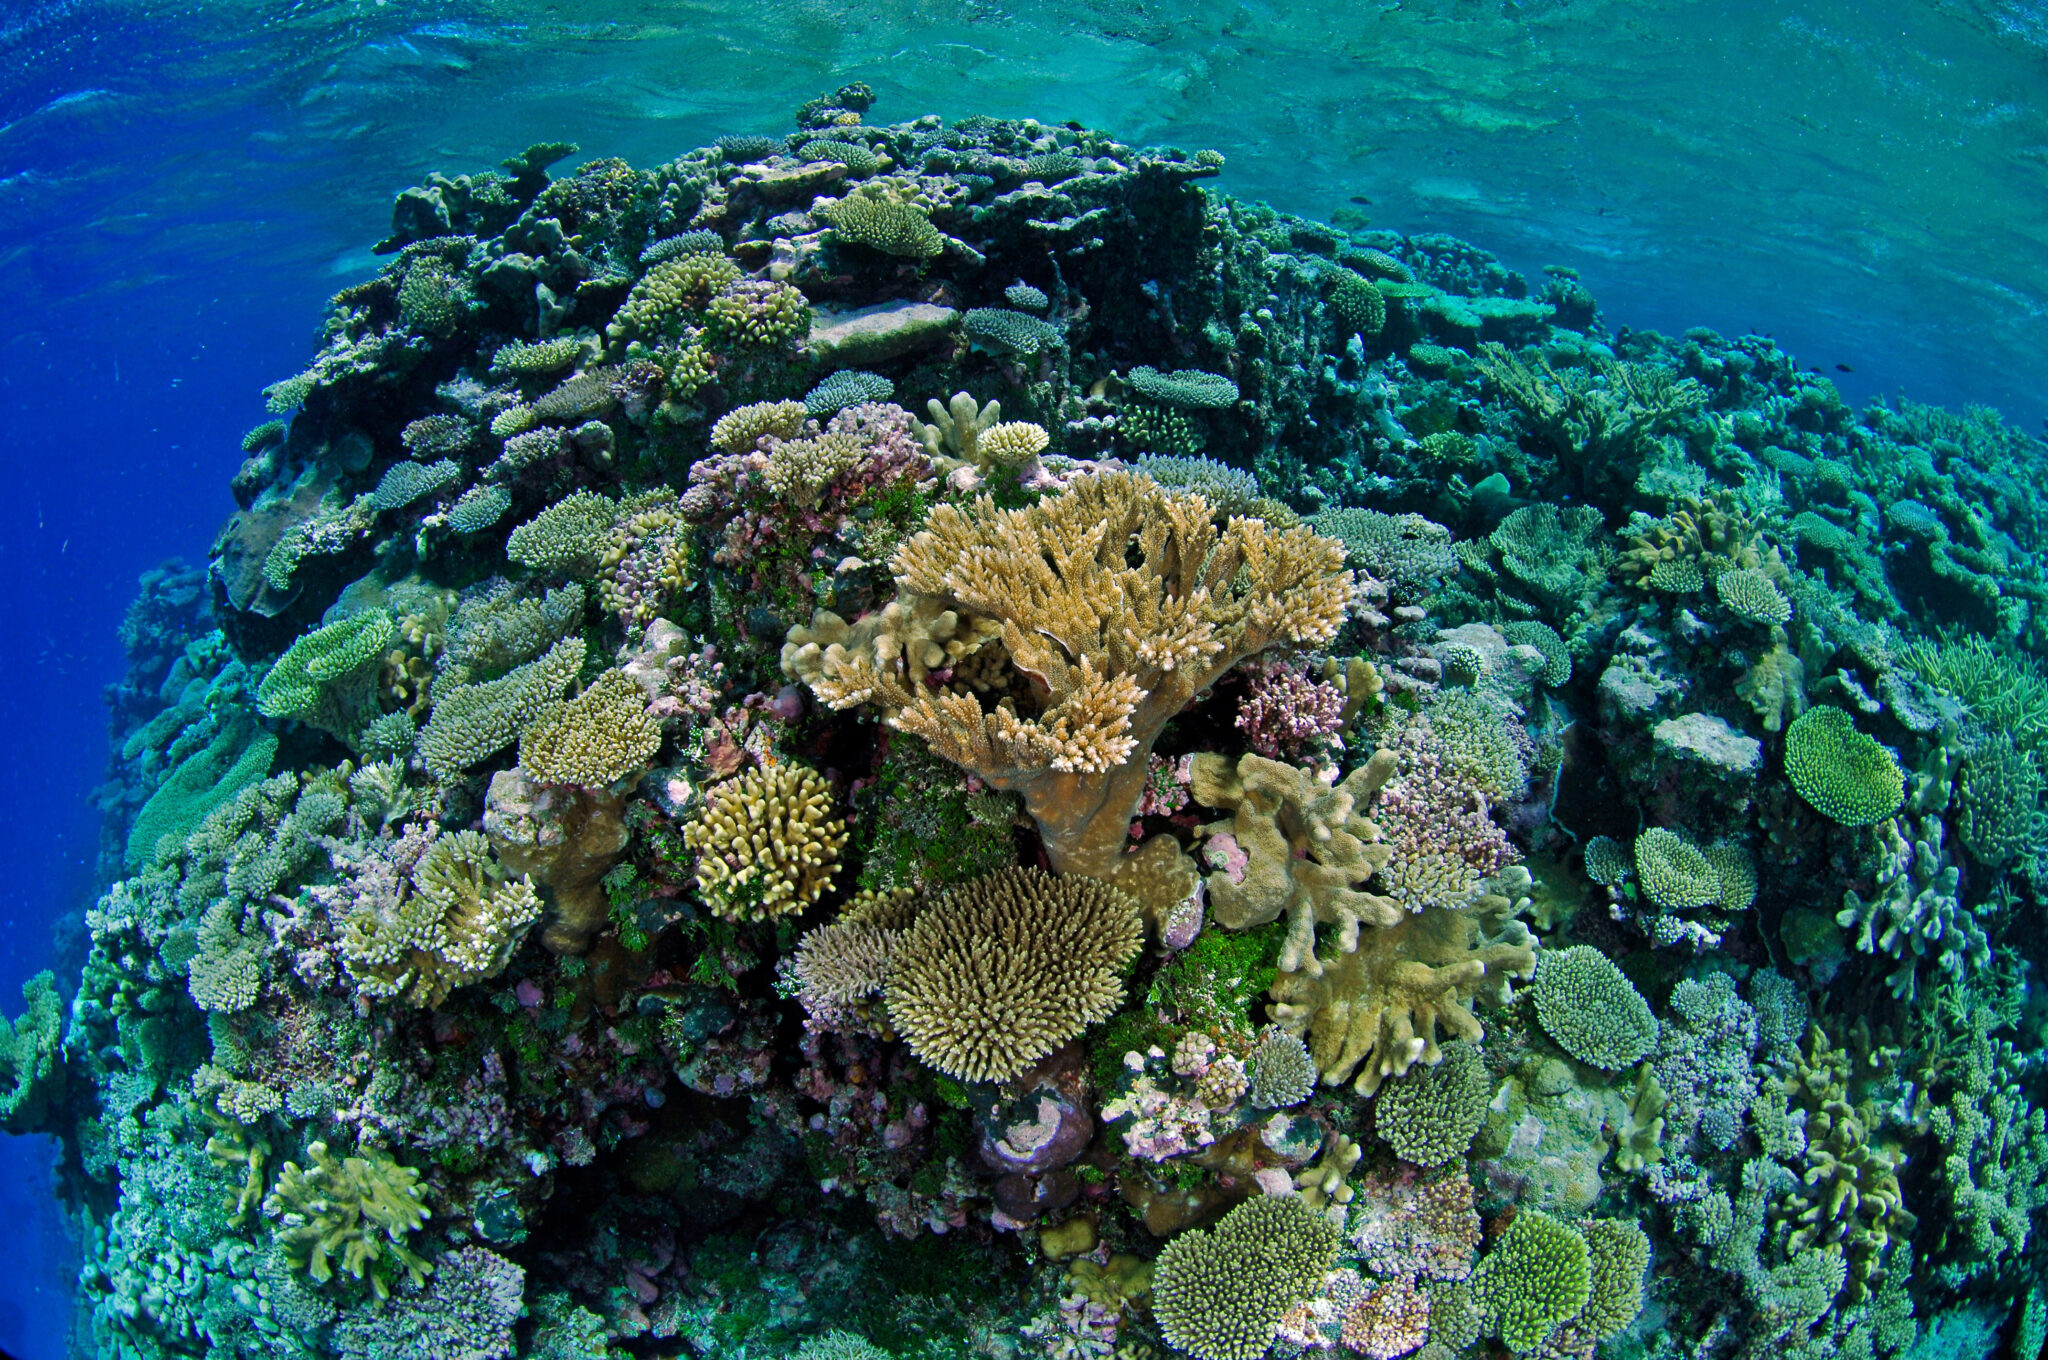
639, 845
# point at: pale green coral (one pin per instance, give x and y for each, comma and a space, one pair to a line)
355, 1212
567, 537
1188, 388
886, 224
1675, 873
1593, 1012
1429, 1115
1220, 1294
1843, 773
1557, 656
1751, 595
31, 1059
1537, 1276
328, 678
473, 722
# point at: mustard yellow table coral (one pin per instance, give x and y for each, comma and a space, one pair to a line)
1118, 603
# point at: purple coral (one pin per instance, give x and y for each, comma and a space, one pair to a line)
1283, 712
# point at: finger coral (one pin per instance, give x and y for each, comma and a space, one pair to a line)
767, 843
995, 974
1377, 1010
1118, 602
1309, 851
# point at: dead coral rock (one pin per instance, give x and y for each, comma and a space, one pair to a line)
567, 839
1308, 850
876, 335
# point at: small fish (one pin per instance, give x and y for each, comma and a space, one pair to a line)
1845, 368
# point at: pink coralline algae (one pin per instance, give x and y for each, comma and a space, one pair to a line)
1166, 786
1162, 1123
1283, 712
1445, 844
1402, 1224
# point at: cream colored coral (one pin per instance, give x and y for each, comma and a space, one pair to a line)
1380, 1009
798, 469
601, 736
458, 923
1012, 444
767, 843
951, 440
844, 664
738, 428
1118, 603
997, 973
1307, 850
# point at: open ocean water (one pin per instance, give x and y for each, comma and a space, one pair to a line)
184, 186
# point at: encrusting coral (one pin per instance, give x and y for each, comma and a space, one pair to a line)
1118, 603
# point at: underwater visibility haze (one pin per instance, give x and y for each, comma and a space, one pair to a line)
945, 680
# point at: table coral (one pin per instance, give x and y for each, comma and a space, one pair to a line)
997, 973
1118, 602
1843, 773
1585, 1003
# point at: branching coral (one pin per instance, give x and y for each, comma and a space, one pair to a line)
886, 224
1220, 1294
1429, 1115
353, 1211
31, 1062
328, 678
473, 722
1594, 1013
1118, 603
1843, 773
603, 735
567, 537
995, 974
453, 919
1307, 851
1378, 1010
767, 843
1537, 1276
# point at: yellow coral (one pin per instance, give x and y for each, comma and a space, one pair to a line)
1012, 444
738, 428
1307, 850
798, 469
767, 844
1379, 1009
997, 973
601, 736
1118, 603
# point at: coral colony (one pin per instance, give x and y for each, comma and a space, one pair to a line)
937, 741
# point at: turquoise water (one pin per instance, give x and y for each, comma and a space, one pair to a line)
1855, 188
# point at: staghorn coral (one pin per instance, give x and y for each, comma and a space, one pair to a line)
995, 974
353, 1211
603, 735
1307, 850
1117, 603
766, 843
1594, 1013
1219, 1294
1378, 1010
453, 918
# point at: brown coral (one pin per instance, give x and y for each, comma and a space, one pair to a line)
1379, 1009
1118, 602
997, 973
1307, 850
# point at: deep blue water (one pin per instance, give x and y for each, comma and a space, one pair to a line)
182, 186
